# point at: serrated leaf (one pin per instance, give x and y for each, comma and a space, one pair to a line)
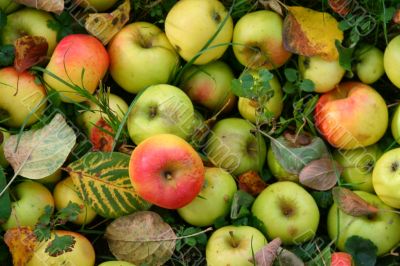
102, 181
141, 238
39, 153
55, 6
321, 174
60, 245
5, 202
352, 204
363, 251
21, 242
345, 55
29, 51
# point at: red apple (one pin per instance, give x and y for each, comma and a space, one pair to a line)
341, 259
166, 171
352, 115
80, 60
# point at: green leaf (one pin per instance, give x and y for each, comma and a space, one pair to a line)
69, 213
345, 55
289, 88
265, 78
323, 199
387, 14
60, 245
247, 81
307, 85
42, 229
345, 25
3, 19
7, 55
5, 202
291, 74
103, 182
241, 203
362, 250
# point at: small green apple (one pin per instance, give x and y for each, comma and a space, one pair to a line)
215, 198
8, 6
286, 210
391, 61
277, 169
4, 135
234, 246
97, 5
369, 65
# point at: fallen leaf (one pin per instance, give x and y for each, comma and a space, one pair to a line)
105, 25
141, 238
252, 183
288, 258
396, 17
321, 174
341, 7
272, 5
39, 153
267, 255
302, 30
55, 6
100, 136
21, 242
352, 204
29, 51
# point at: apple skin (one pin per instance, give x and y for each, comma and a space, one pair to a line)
51, 179
98, 5
395, 125
382, 230
32, 197
358, 165
232, 146
215, 197
161, 109
29, 21
386, 178
191, 23
341, 259
82, 254
5, 135
116, 263
74, 56
287, 211
8, 6
20, 95
140, 56
391, 61
347, 116
248, 108
210, 85
259, 35
175, 175
220, 250
369, 65
325, 74
277, 169
65, 192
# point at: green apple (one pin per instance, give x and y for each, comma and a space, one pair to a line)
140, 56
382, 228
277, 169
248, 107
234, 246
65, 192
97, 5
323, 73
258, 40
8, 6
233, 146
82, 253
190, 24
21, 97
161, 109
386, 178
395, 125
210, 85
51, 179
358, 165
391, 61
286, 210
32, 198
215, 198
29, 21
369, 67
116, 263
4, 135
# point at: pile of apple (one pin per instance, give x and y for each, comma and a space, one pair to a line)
184, 162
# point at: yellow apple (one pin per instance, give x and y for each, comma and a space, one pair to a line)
391, 61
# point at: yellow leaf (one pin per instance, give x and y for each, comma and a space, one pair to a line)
105, 25
311, 33
22, 242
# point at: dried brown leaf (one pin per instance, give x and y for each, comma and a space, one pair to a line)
352, 204
321, 174
288, 258
29, 51
55, 6
267, 255
252, 183
272, 5
21, 242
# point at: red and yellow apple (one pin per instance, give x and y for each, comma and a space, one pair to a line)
166, 171
80, 60
351, 116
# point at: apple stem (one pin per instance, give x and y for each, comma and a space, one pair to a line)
234, 243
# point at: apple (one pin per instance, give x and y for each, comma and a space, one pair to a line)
82, 253
257, 39
369, 67
382, 228
386, 178
351, 116
32, 198
80, 60
29, 21
215, 197
277, 169
51, 179
234, 246
233, 146
341, 259
358, 165
248, 108
166, 171
20, 97
64, 193
8, 6
324, 74
116, 263
140, 56
210, 85
190, 24
395, 125
4, 135
161, 109
391, 61
97, 5
286, 210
